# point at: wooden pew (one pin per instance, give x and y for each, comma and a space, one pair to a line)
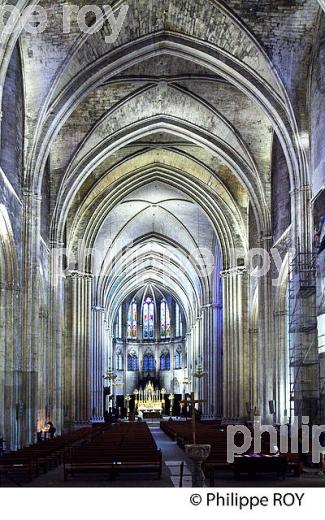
125, 448
29, 462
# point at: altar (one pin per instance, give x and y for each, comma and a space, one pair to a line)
150, 401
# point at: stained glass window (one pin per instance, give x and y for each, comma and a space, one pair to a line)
178, 322
132, 321
178, 359
132, 362
165, 361
118, 330
148, 363
164, 320
148, 319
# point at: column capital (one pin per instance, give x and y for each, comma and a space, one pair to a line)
29, 194
301, 189
56, 243
265, 238
10, 286
281, 313
98, 309
207, 306
77, 274
234, 271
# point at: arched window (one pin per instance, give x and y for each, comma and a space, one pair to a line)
165, 361
132, 362
132, 321
178, 322
148, 319
164, 320
148, 362
118, 329
178, 359
119, 360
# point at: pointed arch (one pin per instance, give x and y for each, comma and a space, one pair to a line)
9, 356
132, 326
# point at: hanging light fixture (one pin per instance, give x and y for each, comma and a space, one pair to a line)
110, 376
199, 371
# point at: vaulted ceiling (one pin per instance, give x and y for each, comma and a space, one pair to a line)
161, 142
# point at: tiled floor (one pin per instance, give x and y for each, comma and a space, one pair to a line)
173, 458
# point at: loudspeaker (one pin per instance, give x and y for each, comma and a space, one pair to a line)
272, 407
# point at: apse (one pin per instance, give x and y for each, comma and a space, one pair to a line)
149, 342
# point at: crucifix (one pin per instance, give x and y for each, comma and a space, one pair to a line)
192, 401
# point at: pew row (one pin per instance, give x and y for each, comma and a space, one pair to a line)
125, 448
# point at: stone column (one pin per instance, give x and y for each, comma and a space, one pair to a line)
282, 380
77, 373
30, 316
218, 356
301, 218
254, 370
235, 352
109, 356
9, 361
212, 360
97, 362
43, 367
207, 382
56, 379
266, 344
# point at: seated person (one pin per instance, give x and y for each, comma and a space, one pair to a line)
51, 430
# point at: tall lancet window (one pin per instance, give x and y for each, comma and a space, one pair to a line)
178, 322
119, 324
148, 362
132, 362
178, 359
149, 319
165, 361
164, 320
132, 321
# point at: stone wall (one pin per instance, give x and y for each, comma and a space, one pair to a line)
11, 156
317, 112
281, 204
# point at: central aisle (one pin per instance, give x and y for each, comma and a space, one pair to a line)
173, 457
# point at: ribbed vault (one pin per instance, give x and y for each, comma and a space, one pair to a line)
160, 159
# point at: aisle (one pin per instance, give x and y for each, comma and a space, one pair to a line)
173, 456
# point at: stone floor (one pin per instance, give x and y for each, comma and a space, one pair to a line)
173, 457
